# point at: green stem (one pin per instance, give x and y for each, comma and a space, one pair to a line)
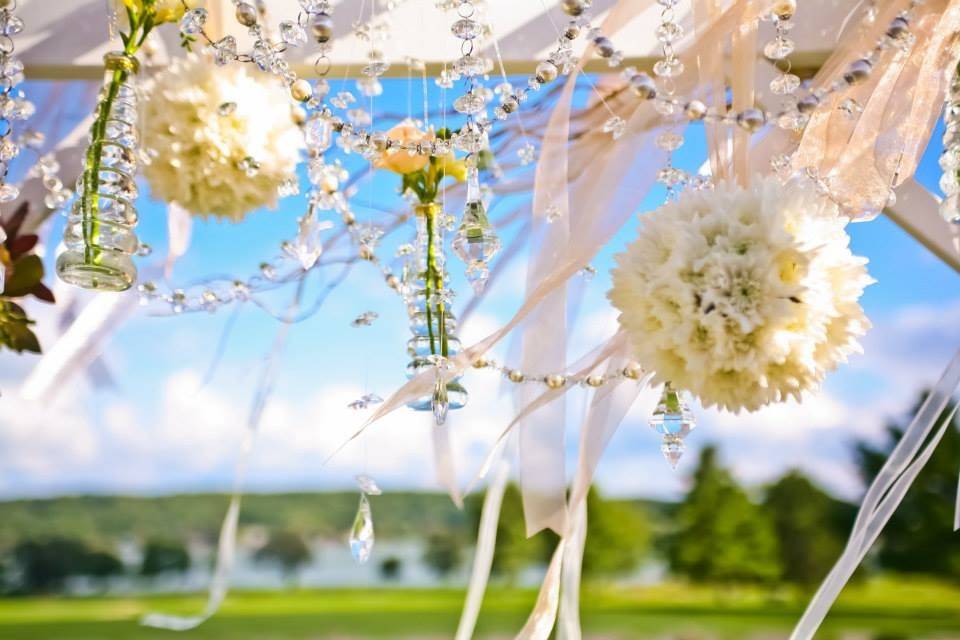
434, 284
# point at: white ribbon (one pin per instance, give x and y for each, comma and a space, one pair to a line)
483, 556
884, 495
227, 542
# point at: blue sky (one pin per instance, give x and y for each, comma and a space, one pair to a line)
162, 429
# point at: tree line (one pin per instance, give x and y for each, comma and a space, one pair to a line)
790, 531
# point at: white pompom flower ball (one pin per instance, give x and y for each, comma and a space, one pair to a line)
220, 141
743, 297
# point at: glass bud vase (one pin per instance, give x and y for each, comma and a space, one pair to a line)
433, 324
99, 236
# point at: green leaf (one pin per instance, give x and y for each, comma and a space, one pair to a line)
27, 272
15, 330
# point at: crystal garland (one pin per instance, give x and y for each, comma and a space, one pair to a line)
11, 74
99, 235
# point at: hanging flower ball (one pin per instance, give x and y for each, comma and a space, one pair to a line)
221, 141
742, 296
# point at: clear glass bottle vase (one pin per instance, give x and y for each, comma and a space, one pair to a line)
99, 236
432, 323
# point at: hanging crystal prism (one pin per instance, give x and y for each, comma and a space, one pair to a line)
476, 242
99, 235
308, 246
674, 421
440, 402
361, 535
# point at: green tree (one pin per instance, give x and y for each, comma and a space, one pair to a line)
919, 537
443, 553
391, 567
44, 565
810, 526
618, 537
164, 556
286, 549
721, 534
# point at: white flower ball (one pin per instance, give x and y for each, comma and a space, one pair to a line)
742, 296
202, 124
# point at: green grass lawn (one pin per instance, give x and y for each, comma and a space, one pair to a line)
881, 610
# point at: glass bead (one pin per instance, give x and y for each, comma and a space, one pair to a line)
192, 21
784, 84
292, 33
779, 48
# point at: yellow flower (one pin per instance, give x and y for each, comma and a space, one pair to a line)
452, 167
401, 161
163, 10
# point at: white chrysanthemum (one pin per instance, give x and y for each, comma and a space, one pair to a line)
198, 141
742, 297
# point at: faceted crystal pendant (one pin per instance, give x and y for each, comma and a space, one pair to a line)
674, 421
292, 33
361, 535
476, 242
440, 402
308, 246
225, 50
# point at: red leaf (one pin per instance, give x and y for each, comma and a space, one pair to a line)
42, 292
21, 245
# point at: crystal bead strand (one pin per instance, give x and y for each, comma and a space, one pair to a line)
99, 235
950, 158
667, 68
476, 243
672, 419
15, 107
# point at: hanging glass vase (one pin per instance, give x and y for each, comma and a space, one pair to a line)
432, 323
99, 235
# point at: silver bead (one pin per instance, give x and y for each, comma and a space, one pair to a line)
899, 27
858, 71
574, 7
572, 32
301, 91
632, 371
322, 27
751, 119
604, 46
246, 14
515, 376
808, 103
547, 72
695, 110
644, 86
510, 104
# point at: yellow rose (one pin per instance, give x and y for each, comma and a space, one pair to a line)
452, 167
400, 161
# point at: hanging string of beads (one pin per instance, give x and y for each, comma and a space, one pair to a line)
15, 106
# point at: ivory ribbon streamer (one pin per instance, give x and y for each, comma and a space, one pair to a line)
443, 462
568, 625
483, 555
743, 57
227, 542
607, 409
179, 225
884, 495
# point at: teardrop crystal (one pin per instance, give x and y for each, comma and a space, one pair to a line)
674, 421
361, 535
